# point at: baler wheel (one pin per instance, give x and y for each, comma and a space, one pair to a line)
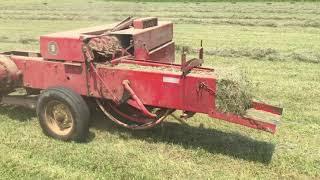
63, 114
128, 117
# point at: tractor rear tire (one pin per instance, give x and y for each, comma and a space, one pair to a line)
63, 114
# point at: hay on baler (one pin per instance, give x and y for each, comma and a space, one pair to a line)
233, 92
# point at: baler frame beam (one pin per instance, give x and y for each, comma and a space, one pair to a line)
28, 101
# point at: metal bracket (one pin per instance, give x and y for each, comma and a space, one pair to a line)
205, 87
137, 100
189, 65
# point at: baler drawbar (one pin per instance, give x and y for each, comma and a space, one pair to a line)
128, 69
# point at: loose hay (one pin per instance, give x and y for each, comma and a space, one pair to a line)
233, 92
149, 68
27, 40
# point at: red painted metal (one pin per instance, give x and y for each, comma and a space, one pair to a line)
155, 87
105, 85
9, 74
154, 78
61, 48
267, 108
137, 100
249, 122
42, 74
8, 69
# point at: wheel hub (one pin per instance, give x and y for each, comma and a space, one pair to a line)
58, 117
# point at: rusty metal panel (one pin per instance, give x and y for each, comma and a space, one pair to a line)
164, 53
153, 37
143, 23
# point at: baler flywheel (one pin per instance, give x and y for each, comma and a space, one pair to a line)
131, 118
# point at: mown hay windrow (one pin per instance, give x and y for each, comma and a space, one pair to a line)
27, 40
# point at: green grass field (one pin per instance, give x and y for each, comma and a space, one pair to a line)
277, 45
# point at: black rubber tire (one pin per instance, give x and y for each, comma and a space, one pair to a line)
79, 110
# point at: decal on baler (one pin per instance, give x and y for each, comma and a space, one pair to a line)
53, 48
171, 80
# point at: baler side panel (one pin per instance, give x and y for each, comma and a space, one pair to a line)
42, 74
155, 36
162, 89
67, 49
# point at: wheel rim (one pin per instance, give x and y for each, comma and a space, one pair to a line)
58, 117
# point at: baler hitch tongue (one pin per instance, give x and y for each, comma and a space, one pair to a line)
261, 116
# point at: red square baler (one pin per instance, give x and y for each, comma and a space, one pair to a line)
127, 68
